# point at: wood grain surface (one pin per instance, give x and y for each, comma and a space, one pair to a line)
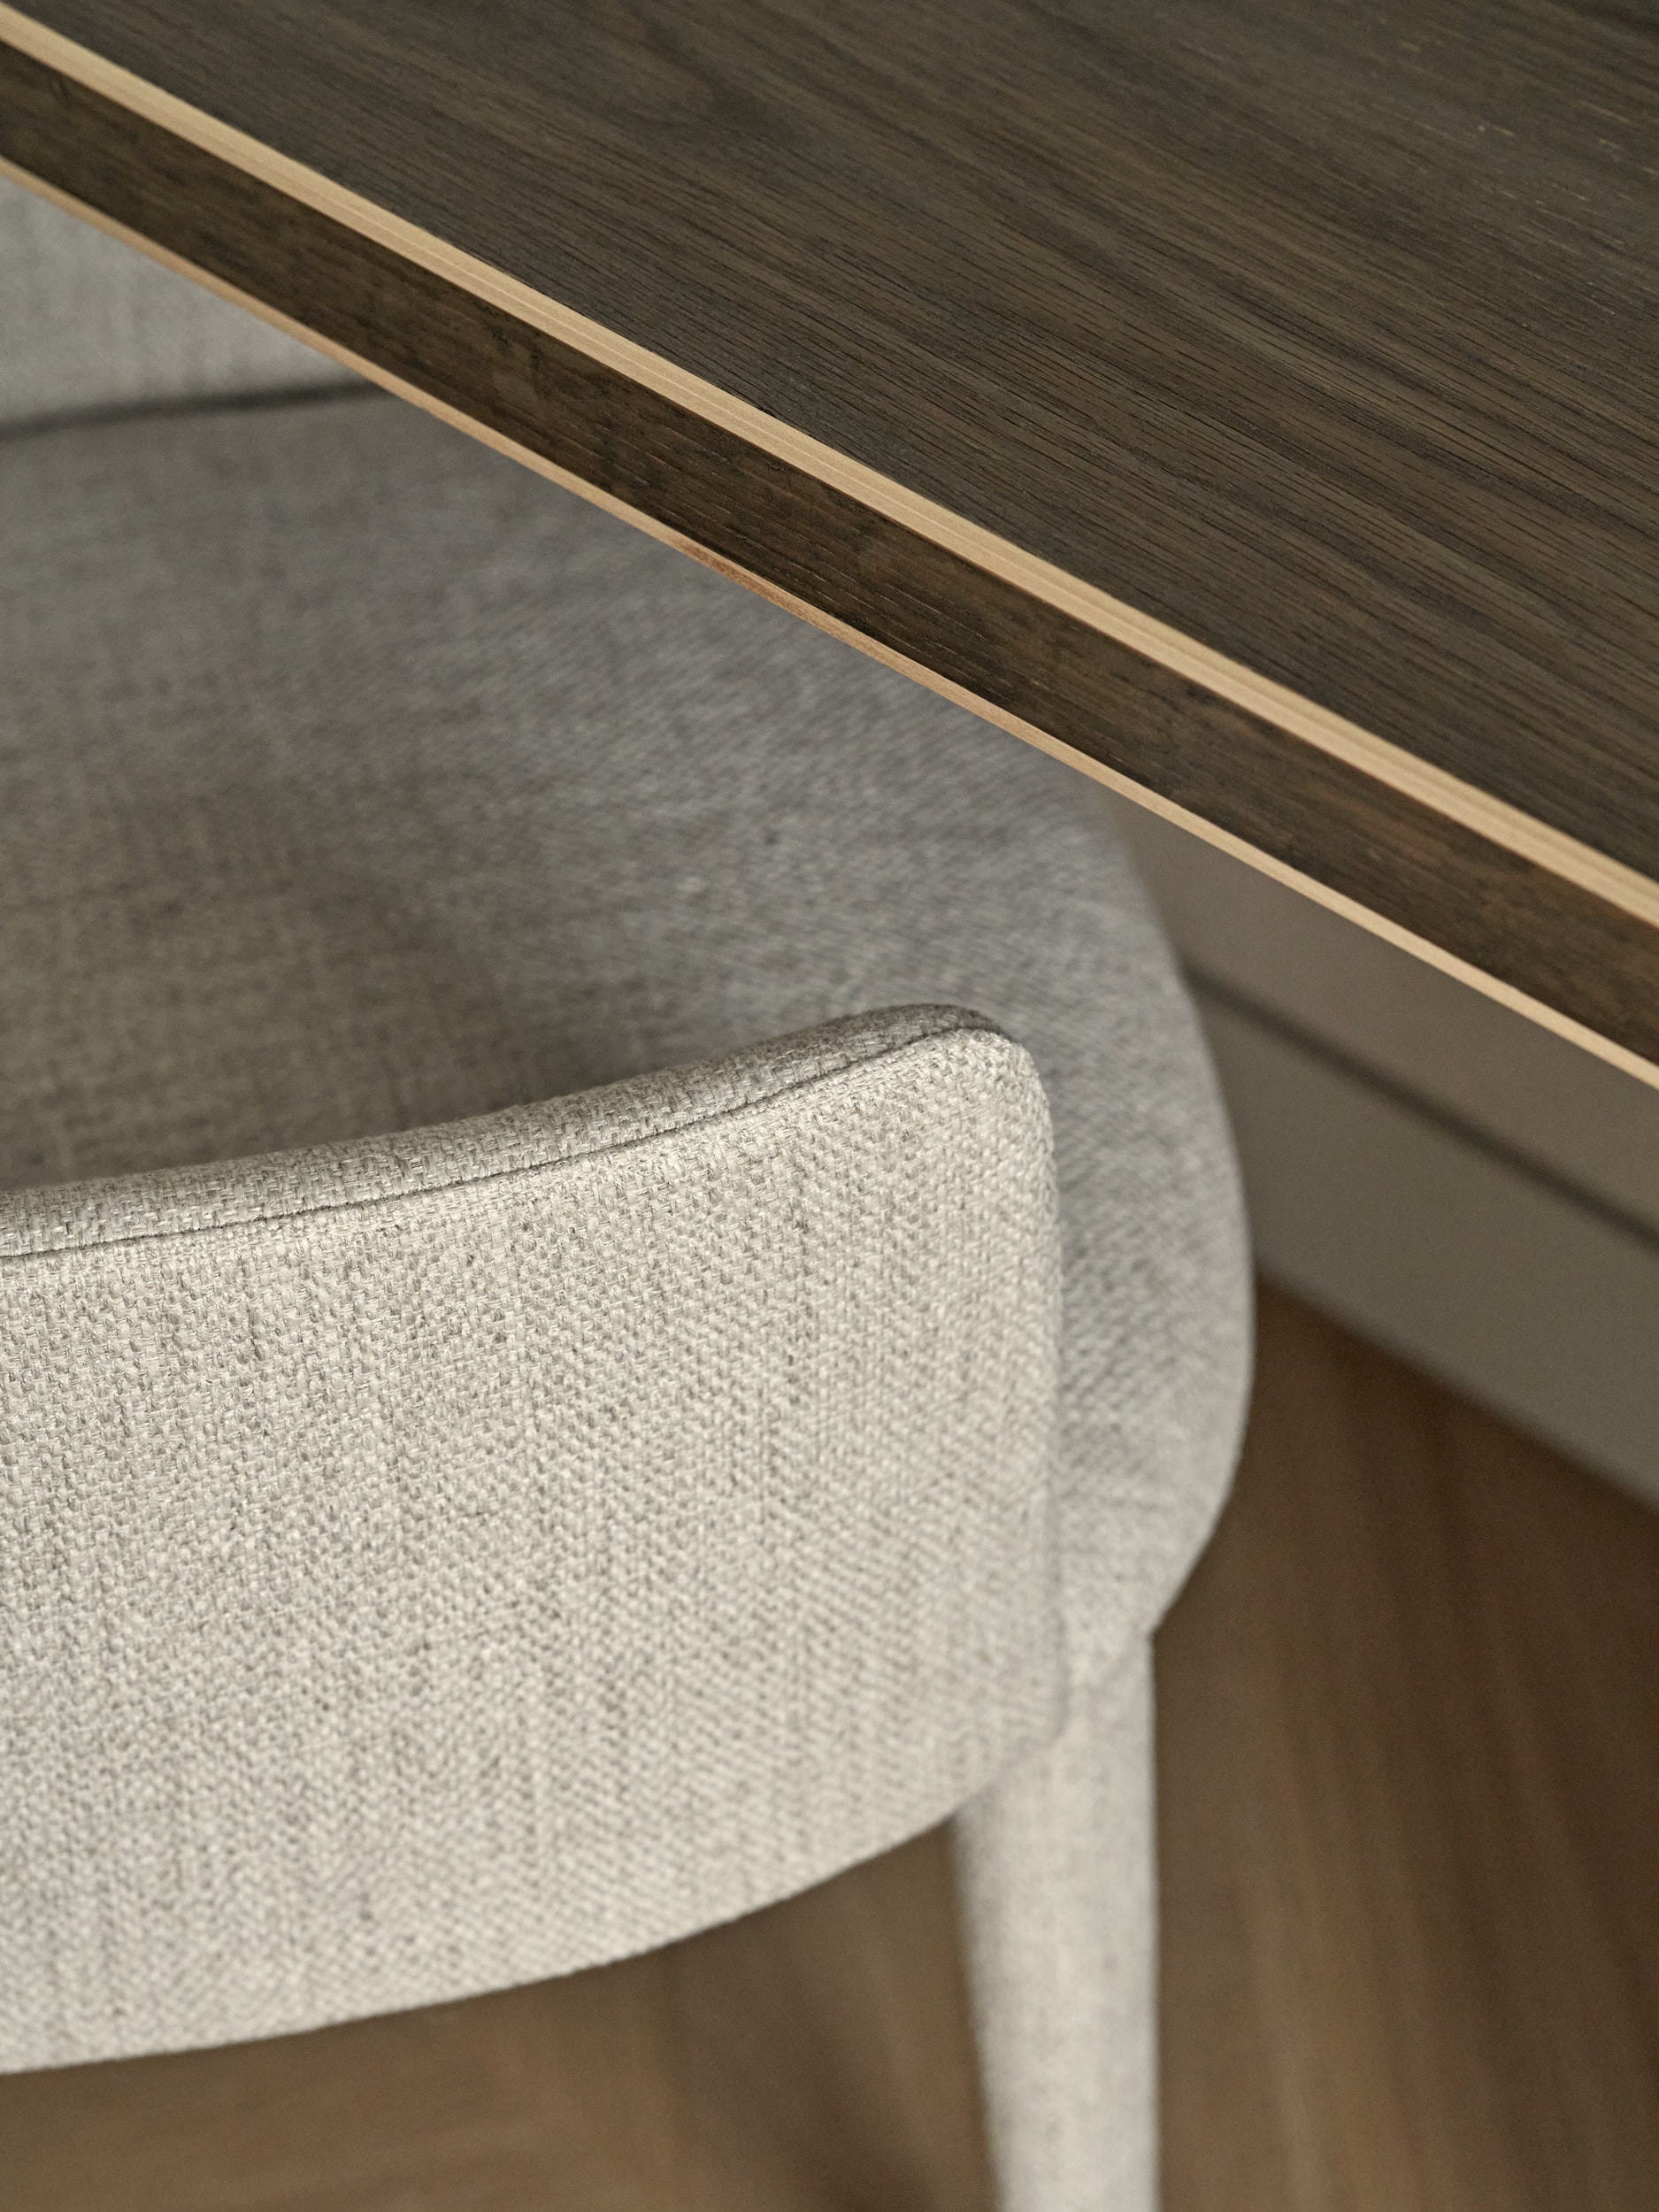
1256, 400
1409, 1758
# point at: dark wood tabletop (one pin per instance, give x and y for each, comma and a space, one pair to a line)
1256, 401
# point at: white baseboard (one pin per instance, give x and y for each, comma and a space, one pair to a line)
1533, 1094
1533, 1299
1429, 1166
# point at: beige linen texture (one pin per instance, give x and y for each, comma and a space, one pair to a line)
356, 781
437, 1564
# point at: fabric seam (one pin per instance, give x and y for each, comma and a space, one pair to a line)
504, 1174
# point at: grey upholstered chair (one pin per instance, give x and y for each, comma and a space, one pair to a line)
544, 1403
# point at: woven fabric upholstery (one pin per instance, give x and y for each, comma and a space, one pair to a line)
439, 1562
86, 323
357, 780
576, 1524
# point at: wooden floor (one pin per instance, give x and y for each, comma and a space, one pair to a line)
1409, 1763
815, 2058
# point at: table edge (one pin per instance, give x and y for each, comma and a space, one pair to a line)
1495, 822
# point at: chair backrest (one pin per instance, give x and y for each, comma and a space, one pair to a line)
87, 323
436, 1562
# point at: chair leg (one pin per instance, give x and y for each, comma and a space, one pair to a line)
1056, 1871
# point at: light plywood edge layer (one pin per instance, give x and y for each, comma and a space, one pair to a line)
1502, 825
